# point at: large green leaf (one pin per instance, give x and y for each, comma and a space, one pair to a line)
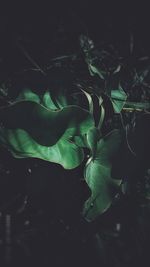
21, 145
31, 130
46, 126
98, 176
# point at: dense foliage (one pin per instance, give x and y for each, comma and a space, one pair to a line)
58, 124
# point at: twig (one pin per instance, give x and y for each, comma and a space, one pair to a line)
24, 51
132, 109
63, 57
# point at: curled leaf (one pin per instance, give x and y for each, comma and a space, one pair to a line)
90, 101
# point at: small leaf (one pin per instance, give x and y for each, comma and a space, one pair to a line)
102, 113
117, 69
118, 98
90, 101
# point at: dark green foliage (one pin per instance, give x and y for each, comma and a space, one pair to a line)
57, 124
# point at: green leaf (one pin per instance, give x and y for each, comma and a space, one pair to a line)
80, 141
21, 145
31, 130
98, 176
90, 101
48, 102
46, 126
118, 98
102, 113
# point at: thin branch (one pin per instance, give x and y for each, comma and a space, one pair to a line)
133, 109
32, 61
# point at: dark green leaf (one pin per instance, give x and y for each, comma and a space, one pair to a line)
31, 130
46, 126
98, 176
21, 145
118, 98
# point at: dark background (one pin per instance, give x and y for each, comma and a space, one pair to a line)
38, 26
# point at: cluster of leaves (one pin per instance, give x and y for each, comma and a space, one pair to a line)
57, 128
